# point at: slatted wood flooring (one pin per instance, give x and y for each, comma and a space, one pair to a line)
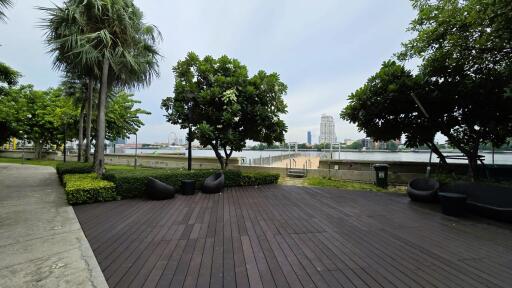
287, 236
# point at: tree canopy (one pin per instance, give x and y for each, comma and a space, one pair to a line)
227, 107
107, 42
463, 81
40, 116
122, 117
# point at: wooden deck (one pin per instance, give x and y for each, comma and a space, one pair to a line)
287, 236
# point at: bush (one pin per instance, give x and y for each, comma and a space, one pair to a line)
259, 178
87, 188
73, 168
132, 183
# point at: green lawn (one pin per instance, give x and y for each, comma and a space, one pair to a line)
350, 185
53, 163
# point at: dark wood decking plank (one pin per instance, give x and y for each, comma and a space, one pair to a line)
195, 264
286, 236
242, 280
228, 255
217, 276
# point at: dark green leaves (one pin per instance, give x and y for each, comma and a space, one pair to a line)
227, 106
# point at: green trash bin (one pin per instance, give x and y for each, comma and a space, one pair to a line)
381, 175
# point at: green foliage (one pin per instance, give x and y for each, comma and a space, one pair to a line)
88, 188
349, 185
8, 76
37, 116
465, 71
40, 116
122, 118
227, 107
259, 178
104, 41
356, 145
73, 168
132, 183
51, 163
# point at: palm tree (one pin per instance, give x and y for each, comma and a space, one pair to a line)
76, 88
63, 25
106, 38
4, 4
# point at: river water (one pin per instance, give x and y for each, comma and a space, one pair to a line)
422, 156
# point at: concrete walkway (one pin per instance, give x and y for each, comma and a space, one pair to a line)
41, 241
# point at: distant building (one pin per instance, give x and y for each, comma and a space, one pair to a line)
309, 138
348, 141
367, 143
327, 130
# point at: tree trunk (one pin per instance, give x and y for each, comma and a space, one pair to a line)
90, 93
37, 149
81, 130
473, 163
228, 156
438, 152
99, 162
219, 157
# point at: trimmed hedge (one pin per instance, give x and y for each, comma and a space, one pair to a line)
73, 168
87, 188
132, 183
259, 178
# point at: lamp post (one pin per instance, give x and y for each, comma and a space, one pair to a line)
136, 145
65, 150
22, 149
189, 137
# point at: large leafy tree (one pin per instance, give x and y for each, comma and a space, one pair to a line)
109, 39
464, 79
385, 109
38, 116
41, 116
227, 107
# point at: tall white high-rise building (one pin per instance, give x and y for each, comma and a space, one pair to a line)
327, 132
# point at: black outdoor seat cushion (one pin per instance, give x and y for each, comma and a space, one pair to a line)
157, 190
423, 189
214, 183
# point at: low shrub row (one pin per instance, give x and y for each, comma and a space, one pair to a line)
73, 168
87, 188
131, 183
258, 178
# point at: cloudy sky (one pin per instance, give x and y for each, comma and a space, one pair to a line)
322, 49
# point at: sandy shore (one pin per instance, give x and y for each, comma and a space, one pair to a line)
299, 162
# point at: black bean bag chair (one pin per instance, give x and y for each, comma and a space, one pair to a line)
157, 190
214, 183
423, 190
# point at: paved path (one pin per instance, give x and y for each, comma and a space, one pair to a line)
41, 241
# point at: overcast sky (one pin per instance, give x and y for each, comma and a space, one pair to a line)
323, 50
